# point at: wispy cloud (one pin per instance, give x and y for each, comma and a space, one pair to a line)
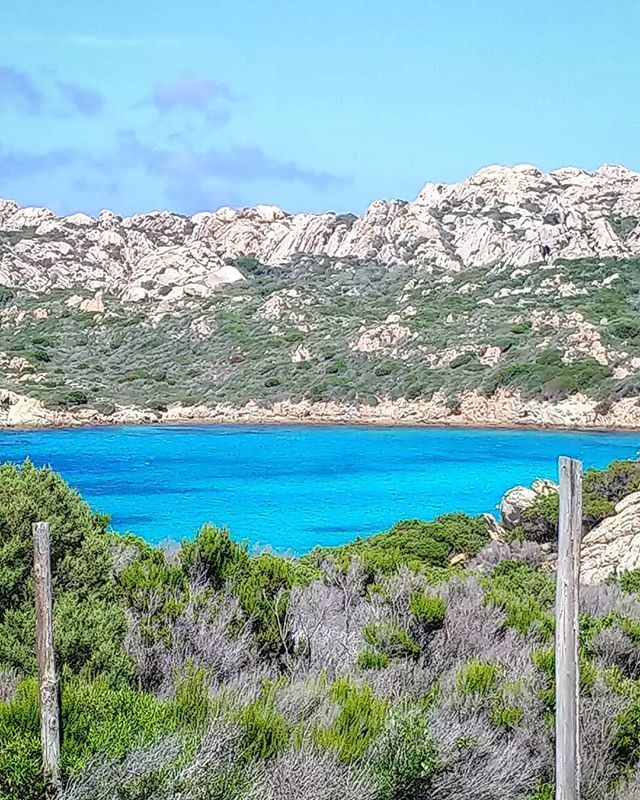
170, 147
193, 93
19, 164
18, 91
246, 164
93, 42
21, 93
84, 100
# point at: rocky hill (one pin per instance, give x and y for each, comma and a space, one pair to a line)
510, 298
508, 215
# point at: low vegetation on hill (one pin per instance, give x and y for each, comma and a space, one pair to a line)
416, 664
322, 329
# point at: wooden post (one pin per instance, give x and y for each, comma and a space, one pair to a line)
48, 683
567, 630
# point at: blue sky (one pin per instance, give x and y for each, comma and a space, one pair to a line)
137, 105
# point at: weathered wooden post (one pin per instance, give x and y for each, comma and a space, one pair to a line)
48, 683
567, 630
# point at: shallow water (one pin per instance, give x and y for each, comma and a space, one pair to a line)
296, 487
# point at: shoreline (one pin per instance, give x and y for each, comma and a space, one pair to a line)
501, 411
270, 421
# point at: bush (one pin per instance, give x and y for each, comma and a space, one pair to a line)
524, 594
477, 678
215, 553
81, 559
429, 610
263, 587
372, 659
414, 543
630, 582
602, 489
627, 329
390, 639
618, 480
627, 739
265, 732
361, 718
540, 521
95, 719
547, 375
404, 758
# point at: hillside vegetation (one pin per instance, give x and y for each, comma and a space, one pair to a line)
349, 331
513, 282
380, 670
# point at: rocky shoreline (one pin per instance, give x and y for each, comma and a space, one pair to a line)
473, 410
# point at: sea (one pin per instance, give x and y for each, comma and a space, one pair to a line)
290, 488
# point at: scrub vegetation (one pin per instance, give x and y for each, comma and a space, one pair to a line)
351, 331
378, 670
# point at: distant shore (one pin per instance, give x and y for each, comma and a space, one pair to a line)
502, 410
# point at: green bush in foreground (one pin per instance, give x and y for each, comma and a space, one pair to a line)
414, 543
211, 674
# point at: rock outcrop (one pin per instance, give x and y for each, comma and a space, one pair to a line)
516, 216
613, 546
518, 499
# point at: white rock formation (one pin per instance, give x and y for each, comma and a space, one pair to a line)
613, 546
518, 499
516, 216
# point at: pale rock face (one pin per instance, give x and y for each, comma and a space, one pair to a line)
513, 505
491, 357
518, 499
93, 305
284, 304
496, 531
17, 410
384, 338
74, 301
83, 220
201, 328
134, 294
301, 353
613, 546
500, 215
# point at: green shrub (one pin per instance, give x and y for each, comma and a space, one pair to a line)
627, 329
265, 732
477, 677
630, 582
405, 757
263, 587
547, 375
627, 737
416, 544
540, 521
89, 625
619, 479
525, 595
214, 551
96, 719
360, 720
429, 610
390, 639
507, 716
372, 659
595, 509
462, 360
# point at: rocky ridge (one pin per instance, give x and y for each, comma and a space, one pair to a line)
509, 215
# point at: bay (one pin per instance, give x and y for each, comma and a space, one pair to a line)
293, 487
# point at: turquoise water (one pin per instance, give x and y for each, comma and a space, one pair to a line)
295, 487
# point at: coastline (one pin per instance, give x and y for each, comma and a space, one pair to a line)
502, 410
